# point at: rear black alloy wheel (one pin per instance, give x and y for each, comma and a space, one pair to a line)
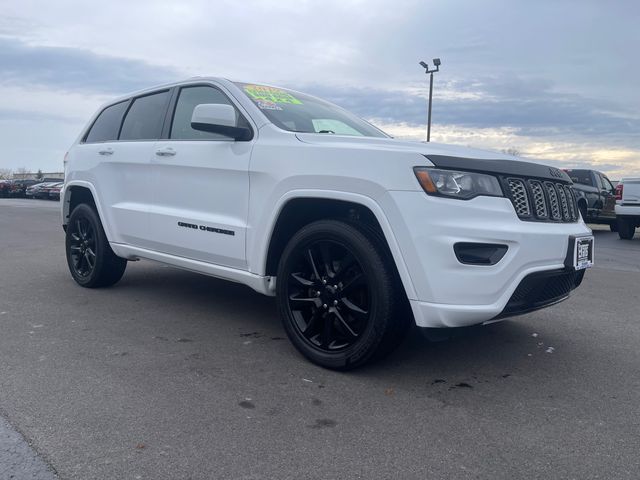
337, 293
91, 261
82, 246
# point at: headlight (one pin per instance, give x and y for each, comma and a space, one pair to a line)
453, 184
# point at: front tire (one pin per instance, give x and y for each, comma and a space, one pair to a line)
91, 261
338, 295
626, 229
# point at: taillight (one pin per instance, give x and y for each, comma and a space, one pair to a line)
619, 189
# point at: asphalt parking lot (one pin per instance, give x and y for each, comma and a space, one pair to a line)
173, 375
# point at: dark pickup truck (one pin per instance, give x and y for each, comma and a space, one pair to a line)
595, 195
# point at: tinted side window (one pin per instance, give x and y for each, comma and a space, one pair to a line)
582, 177
144, 118
606, 184
598, 181
187, 101
106, 126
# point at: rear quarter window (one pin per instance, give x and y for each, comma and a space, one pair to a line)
106, 126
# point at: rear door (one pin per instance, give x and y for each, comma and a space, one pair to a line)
124, 174
201, 180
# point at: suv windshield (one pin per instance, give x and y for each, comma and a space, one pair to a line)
298, 112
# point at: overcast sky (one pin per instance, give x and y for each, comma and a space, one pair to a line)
557, 80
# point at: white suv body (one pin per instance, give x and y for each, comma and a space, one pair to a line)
218, 206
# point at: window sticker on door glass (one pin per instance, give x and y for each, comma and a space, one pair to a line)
267, 105
270, 94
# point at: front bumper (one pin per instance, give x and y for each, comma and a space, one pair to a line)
451, 294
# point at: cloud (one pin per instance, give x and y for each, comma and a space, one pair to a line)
74, 69
529, 108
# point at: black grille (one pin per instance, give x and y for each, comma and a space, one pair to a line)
540, 289
535, 200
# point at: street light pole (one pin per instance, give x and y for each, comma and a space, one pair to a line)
436, 62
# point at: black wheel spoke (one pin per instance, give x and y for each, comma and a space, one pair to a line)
344, 323
312, 263
326, 260
89, 260
313, 322
345, 264
356, 281
355, 310
326, 332
302, 300
301, 280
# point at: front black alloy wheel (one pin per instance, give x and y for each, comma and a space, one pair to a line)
91, 261
338, 295
329, 296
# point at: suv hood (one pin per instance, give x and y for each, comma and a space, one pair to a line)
445, 156
392, 144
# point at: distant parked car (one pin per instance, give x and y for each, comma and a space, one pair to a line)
34, 189
45, 192
54, 191
595, 195
19, 187
40, 190
5, 188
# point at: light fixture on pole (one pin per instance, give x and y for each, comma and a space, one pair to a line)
436, 63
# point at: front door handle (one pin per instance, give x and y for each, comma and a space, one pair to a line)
106, 151
165, 152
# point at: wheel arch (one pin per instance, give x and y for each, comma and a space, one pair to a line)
297, 209
78, 192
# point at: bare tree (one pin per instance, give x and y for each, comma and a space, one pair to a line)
513, 151
5, 173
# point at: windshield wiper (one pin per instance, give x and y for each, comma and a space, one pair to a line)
327, 131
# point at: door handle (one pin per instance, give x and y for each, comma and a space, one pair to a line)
165, 152
106, 151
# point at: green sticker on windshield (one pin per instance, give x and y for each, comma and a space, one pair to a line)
270, 94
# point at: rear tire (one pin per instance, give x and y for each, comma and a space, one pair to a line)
338, 295
626, 228
91, 261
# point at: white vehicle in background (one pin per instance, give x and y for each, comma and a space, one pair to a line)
628, 207
355, 233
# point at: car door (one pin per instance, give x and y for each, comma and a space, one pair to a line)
609, 199
122, 176
201, 185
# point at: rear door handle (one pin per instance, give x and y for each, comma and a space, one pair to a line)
165, 152
106, 151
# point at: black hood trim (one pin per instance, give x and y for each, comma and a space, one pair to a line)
500, 167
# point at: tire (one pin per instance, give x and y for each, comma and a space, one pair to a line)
626, 229
339, 296
613, 226
91, 261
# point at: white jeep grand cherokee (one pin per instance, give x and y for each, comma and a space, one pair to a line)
356, 234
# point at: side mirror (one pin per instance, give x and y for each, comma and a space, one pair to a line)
218, 118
